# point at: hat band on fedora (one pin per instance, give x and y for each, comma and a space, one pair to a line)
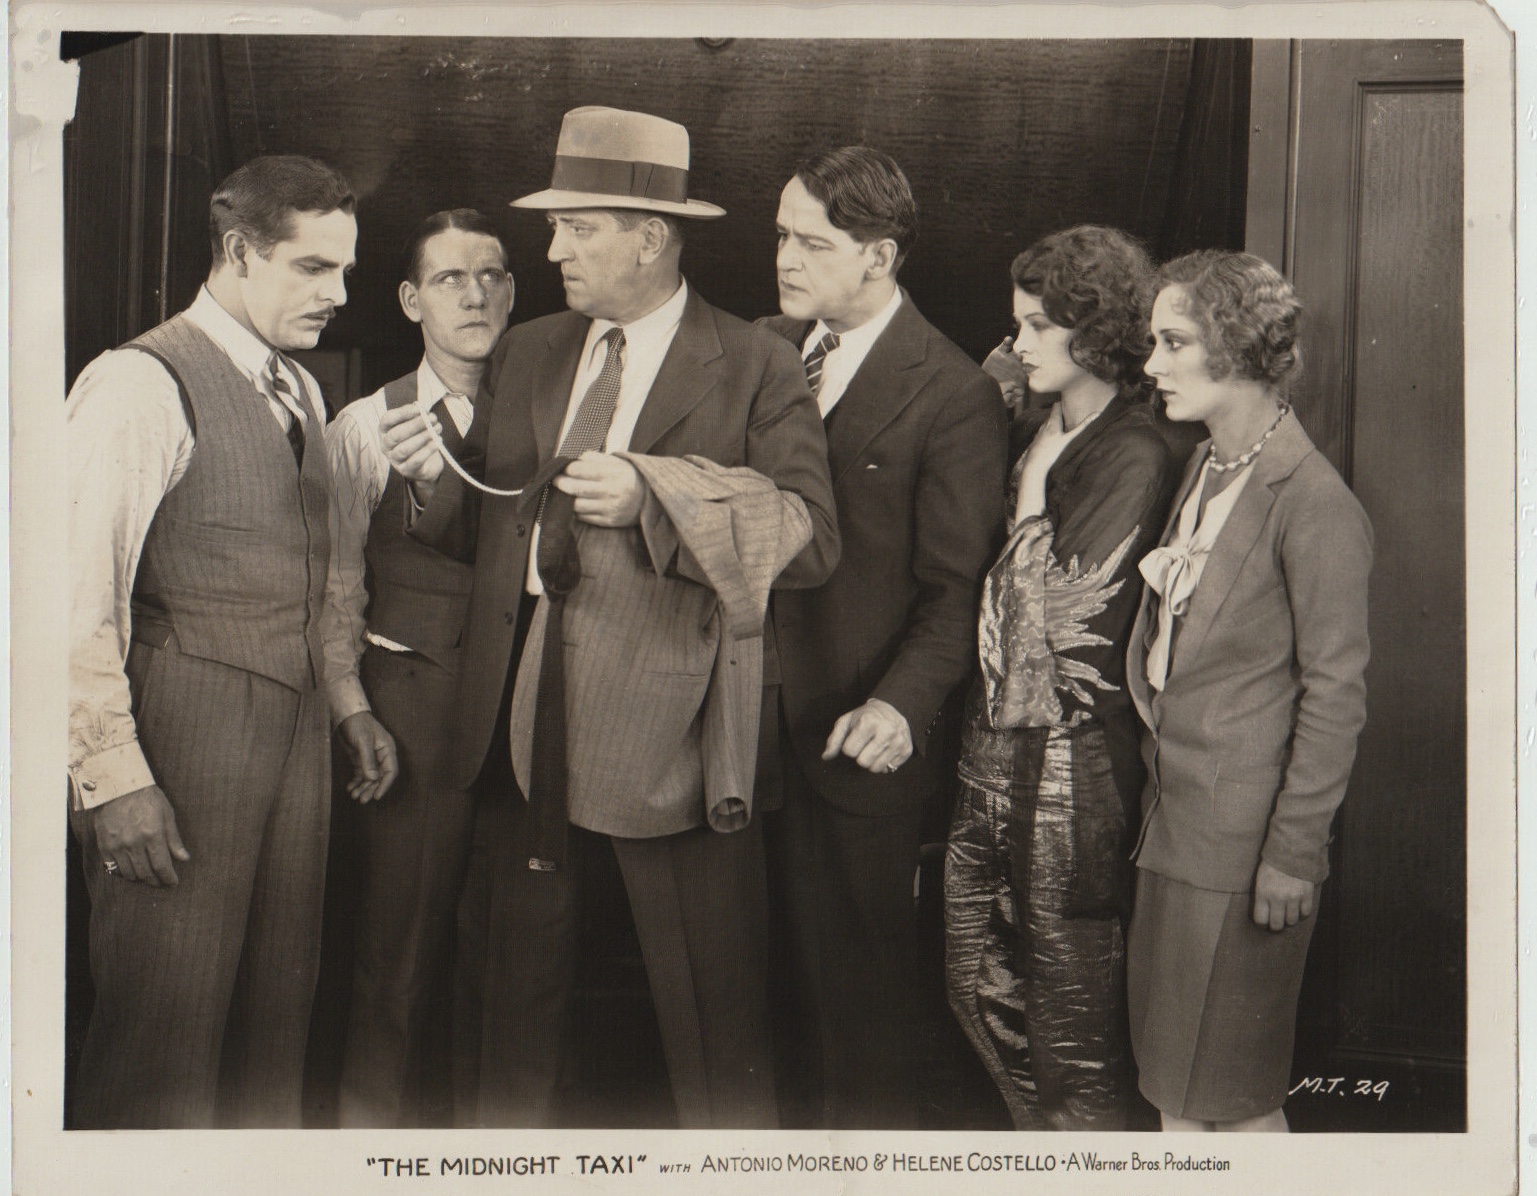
611, 176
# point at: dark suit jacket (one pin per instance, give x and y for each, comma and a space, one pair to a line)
918, 447
1253, 736
726, 391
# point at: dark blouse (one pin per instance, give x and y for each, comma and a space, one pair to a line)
1059, 603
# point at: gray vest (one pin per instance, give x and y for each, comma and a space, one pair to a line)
236, 557
416, 597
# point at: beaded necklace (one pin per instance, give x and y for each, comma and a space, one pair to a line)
1243, 459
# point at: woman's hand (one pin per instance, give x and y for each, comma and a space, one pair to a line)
1281, 900
1004, 368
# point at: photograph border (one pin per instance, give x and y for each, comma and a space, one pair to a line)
49, 1159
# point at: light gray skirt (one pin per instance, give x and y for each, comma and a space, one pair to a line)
1212, 999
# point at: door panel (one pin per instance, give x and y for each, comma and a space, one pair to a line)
1406, 814
1364, 211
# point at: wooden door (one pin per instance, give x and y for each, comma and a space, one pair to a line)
1355, 191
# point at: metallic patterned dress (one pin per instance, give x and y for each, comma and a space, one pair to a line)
1037, 874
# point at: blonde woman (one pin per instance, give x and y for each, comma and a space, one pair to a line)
1246, 664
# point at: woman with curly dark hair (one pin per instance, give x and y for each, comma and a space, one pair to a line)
1247, 666
1037, 879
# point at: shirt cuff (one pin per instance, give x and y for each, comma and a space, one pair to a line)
346, 698
108, 775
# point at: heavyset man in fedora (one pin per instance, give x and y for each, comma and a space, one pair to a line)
640, 365
916, 441
199, 744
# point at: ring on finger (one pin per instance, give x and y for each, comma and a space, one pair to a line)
110, 866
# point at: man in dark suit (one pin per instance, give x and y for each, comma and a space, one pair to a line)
640, 364
916, 442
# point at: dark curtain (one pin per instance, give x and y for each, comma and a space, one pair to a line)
136, 189
1208, 189
149, 141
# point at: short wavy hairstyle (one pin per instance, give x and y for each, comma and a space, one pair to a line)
467, 220
1098, 282
865, 194
259, 200
1247, 313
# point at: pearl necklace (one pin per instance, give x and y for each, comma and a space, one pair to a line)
1239, 462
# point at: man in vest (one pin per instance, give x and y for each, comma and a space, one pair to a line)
198, 734
395, 612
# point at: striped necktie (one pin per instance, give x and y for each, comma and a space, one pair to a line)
284, 394
816, 359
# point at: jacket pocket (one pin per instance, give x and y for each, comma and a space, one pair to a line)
1243, 798
1244, 773
1271, 605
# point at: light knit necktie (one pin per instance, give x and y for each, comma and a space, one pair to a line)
285, 395
559, 565
590, 427
816, 359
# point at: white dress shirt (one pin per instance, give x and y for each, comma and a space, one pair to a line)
646, 342
359, 472
840, 365
129, 442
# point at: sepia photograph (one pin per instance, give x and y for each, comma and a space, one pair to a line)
762, 598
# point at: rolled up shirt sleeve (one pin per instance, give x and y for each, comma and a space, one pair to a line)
128, 443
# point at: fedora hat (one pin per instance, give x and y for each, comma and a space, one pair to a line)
610, 158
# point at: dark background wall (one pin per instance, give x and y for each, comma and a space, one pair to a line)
1003, 141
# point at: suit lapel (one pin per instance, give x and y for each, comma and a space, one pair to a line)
1136, 675
1187, 484
885, 383
1136, 661
688, 373
1237, 538
1067, 463
553, 375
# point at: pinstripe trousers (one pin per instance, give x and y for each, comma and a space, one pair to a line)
203, 991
